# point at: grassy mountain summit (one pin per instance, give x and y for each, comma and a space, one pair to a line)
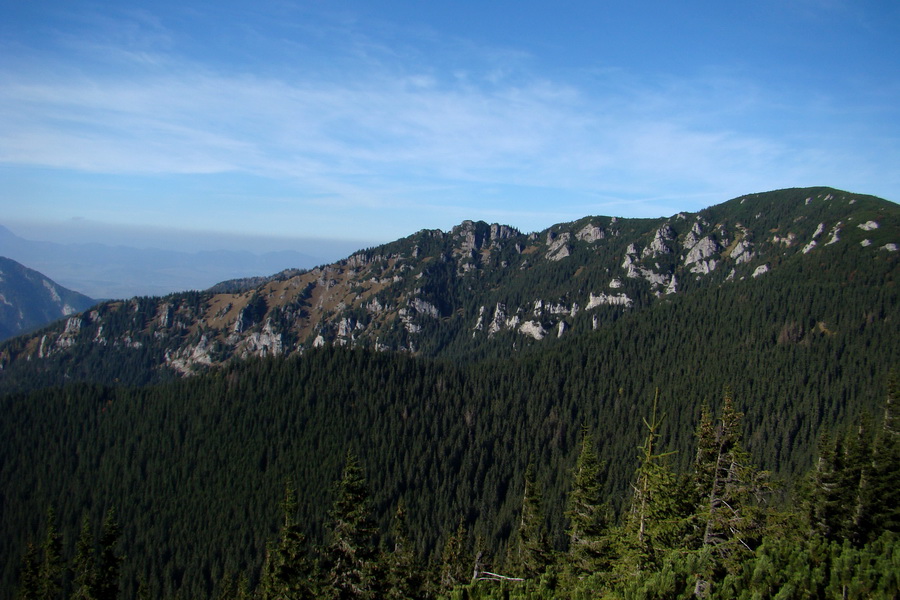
482, 290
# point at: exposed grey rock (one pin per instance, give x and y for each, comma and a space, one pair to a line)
693, 236
787, 240
533, 329
590, 233
479, 324
702, 250
868, 225
424, 308
704, 267
562, 309
374, 306
742, 252
346, 327
617, 300
73, 328
672, 287
835, 234
890, 247
498, 319
184, 359
558, 248
503, 232
760, 270
659, 245
164, 315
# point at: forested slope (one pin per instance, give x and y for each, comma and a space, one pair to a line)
803, 336
195, 468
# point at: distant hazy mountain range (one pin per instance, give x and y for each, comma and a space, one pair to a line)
29, 300
103, 271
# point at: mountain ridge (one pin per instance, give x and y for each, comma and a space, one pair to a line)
484, 287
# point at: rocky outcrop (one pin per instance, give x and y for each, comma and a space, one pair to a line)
608, 299
835, 234
557, 246
590, 234
700, 256
742, 252
660, 243
533, 329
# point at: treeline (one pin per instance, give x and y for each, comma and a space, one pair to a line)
711, 531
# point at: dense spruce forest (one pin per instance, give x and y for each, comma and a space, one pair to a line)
735, 439
195, 471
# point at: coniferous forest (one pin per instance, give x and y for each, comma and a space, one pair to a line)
411, 479
737, 439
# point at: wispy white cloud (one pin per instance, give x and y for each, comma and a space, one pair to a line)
539, 132
382, 129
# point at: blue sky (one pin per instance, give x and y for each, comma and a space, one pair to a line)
371, 120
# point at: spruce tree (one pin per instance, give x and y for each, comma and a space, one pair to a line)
286, 573
455, 560
530, 552
84, 573
728, 512
352, 558
833, 491
653, 522
108, 559
51, 568
404, 575
29, 575
588, 514
879, 509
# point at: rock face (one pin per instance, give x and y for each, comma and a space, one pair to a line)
478, 284
700, 256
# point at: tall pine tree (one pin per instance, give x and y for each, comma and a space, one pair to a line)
654, 521
354, 572
286, 573
530, 552
730, 490
404, 576
588, 515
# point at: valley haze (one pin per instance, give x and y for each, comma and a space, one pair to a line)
104, 261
